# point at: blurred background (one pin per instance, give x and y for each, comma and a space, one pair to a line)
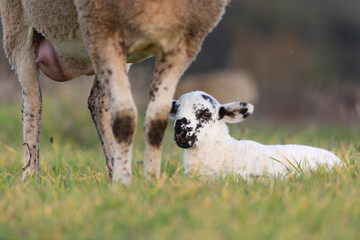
297, 61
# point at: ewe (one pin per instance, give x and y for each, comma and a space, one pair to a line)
69, 38
201, 130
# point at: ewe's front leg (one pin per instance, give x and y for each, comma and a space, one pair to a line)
168, 70
31, 112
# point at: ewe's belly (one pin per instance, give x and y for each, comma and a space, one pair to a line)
63, 55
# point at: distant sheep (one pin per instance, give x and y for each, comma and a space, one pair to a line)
201, 130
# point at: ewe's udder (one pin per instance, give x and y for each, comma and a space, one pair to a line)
57, 66
48, 61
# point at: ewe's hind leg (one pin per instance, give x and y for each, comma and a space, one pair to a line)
106, 47
31, 113
98, 104
168, 70
19, 46
111, 70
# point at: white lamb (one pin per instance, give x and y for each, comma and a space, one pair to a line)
201, 130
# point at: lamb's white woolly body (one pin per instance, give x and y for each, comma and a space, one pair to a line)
215, 152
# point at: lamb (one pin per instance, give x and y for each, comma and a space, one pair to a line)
200, 128
68, 38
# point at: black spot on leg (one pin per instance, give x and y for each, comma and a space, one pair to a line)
123, 128
156, 131
154, 88
152, 95
109, 172
109, 71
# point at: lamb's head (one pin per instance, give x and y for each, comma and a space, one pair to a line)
197, 115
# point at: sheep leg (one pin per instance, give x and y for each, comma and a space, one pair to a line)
110, 66
31, 113
168, 70
111, 70
19, 46
98, 104
31, 107
106, 47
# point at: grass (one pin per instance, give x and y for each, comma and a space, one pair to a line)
72, 199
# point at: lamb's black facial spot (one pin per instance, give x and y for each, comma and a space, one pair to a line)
203, 115
181, 136
181, 124
210, 99
198, 126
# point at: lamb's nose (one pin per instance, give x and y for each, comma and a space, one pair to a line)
179, 132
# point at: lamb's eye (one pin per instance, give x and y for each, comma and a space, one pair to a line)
206, 115
203, 114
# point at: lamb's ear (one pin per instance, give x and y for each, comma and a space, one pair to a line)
173, 110
235, 112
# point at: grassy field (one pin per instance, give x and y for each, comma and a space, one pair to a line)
72, 198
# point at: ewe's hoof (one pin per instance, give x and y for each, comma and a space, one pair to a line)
124, 179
